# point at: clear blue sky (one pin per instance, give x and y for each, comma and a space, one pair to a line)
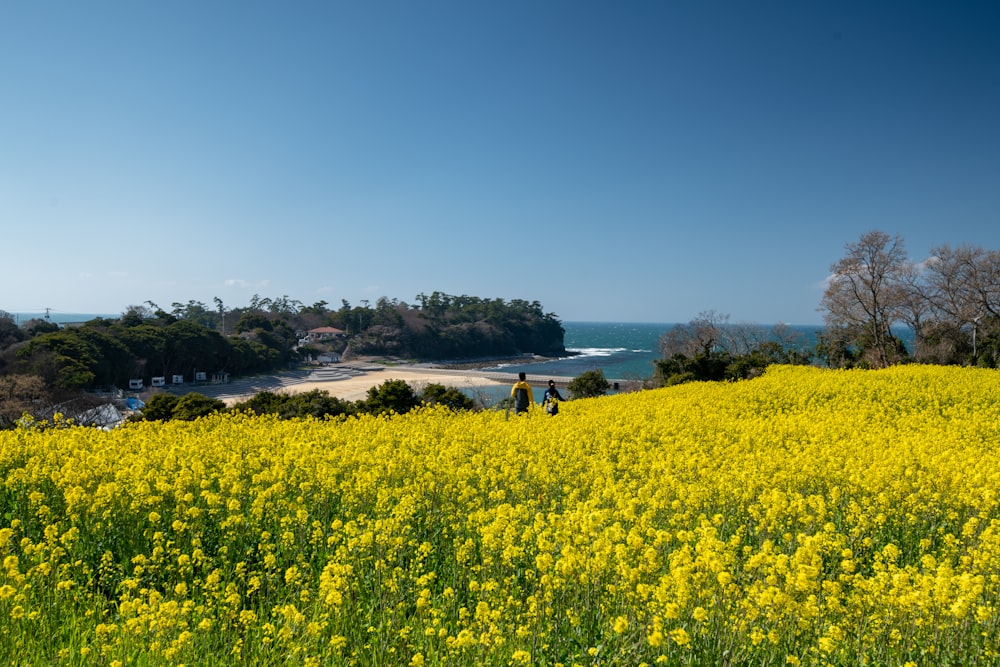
615, 161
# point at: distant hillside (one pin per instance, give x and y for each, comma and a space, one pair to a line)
441, 326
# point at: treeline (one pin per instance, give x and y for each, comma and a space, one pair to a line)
41, 363
391, 397
435, 327
709, 348
950, 302
441, 326
106, 353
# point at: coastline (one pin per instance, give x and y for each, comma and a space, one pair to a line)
488, 362
351, 381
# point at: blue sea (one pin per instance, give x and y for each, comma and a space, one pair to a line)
622, 350
59, 317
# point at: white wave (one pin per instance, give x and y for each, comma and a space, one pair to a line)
595, 351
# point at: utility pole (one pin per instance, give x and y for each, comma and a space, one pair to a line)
975, 325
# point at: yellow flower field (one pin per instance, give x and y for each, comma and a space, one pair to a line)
808, 517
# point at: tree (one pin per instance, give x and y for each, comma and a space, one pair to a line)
189, 347
960, 295
20, 394
986, 342
135, 315
284, 306
709, 349
197, 312
438, 394
249, 321
147, 343
705, 366
194, 405
703, 334
319, 403
37, 327
164, 407
221, 308
113, 361
942, 342
589, 384
10, 333
315, 403
833, 348
159, 407
62, 359
963, 283
866, 294
318, 308
392, 396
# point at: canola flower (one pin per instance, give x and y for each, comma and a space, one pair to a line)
807, 517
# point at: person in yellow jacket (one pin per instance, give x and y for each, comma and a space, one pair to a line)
522, 394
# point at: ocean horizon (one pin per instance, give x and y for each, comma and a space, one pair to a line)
58, 317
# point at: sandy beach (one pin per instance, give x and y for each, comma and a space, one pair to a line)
350, 382
356, 388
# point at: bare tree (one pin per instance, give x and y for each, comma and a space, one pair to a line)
743, 338
20, 394
702, 334
711, 331
867, 293
916, 311
964, 283
962, 289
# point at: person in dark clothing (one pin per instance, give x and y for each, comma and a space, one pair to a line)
522, 395
551, 399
